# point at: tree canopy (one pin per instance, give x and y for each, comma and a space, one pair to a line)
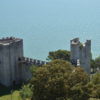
95, 64
59, 54
96, 85
59, 80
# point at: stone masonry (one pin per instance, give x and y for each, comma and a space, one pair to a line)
81, 53
14, 67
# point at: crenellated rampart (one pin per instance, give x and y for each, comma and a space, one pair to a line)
26, 60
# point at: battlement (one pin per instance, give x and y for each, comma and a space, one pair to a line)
9, 40
88, 42
75, 41
31, 61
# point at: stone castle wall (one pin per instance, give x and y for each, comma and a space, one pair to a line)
14, 67
82, 53
25, 65
10, 50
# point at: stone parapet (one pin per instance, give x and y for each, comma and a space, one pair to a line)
9, 40
32, 61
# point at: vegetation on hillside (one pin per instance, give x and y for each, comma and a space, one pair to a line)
59, 80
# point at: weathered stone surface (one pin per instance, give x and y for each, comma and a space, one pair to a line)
14, 67
10, 50
81, 53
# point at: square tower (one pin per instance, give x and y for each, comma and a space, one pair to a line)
10, 51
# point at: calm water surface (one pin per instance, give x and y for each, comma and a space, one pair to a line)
48, 25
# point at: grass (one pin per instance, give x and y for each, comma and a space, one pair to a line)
13, 96
6, 93
94, 99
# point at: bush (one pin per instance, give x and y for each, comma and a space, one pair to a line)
26, 92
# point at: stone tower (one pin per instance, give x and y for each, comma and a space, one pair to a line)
81, 53
14, 67
10, 51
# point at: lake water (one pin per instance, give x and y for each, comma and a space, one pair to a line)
48, 25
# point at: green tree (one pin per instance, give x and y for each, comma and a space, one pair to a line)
78, 76
80, 92
26, 92
96, 91
59, 80
78, 81
96, 85
96, 78
59, 54
95, 63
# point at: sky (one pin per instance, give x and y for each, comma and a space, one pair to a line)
47, 25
